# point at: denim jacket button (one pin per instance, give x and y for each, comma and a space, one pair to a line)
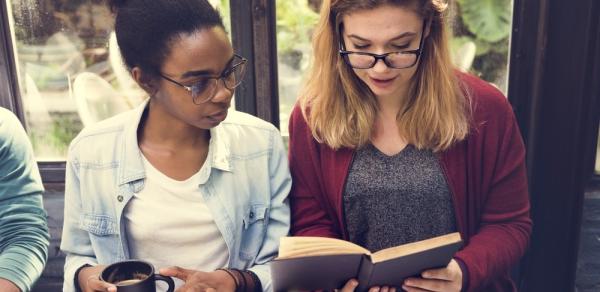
120, 198
251, 215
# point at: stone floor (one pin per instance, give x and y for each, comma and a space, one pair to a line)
588, 266
51, 280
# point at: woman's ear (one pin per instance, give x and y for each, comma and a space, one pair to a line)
143, 80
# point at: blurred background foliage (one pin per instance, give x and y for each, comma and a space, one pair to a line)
480, 29
484, 25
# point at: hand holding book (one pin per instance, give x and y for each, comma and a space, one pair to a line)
448, 279
444, 279
310, 263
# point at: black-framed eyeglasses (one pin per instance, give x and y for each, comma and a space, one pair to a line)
205, 88
395, 60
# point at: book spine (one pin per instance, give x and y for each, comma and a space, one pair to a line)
364, 274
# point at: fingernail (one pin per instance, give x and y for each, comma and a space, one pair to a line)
354, 283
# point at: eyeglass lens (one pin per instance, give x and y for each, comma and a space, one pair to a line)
394, 60
205, 88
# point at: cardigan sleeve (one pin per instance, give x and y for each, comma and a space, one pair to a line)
504, 224
309, 216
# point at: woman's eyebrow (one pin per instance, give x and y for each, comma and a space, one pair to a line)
400, 36
197, 73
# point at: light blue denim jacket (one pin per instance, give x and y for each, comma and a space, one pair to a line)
246, 189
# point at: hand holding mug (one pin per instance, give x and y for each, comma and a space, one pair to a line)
133, 276
89, 280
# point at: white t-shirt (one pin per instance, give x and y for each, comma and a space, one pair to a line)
169, 224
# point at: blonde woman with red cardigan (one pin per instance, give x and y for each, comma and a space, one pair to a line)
389, 144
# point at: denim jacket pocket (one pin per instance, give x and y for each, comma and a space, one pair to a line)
99, 225
104, 236
255, 221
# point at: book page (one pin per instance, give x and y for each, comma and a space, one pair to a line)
302, 246
415, 247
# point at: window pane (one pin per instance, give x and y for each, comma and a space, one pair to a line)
69, 69
480, 38
295, 21
481, 32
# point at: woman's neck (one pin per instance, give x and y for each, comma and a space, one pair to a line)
391, 104
160, 128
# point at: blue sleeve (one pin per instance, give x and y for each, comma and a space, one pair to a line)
24, 234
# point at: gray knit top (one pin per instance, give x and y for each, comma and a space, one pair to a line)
392, 200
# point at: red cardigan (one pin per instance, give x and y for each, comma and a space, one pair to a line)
485, 172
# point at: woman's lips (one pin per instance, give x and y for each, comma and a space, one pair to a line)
219, 116
382, 83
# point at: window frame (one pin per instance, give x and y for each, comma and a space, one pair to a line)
556, 102
9, 90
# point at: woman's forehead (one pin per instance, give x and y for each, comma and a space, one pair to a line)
206, 49
389, 18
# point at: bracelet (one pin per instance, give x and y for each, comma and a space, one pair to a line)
235, 280
244, 287
256, 280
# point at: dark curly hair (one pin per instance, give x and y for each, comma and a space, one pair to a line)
144, 28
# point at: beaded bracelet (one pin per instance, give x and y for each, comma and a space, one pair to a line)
235, 280
256, 280
241, 285
245, 286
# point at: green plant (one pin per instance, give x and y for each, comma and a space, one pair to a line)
52, 141
223, 7
295, 22
487, 24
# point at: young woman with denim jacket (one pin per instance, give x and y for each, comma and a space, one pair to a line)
390, 144
181, 182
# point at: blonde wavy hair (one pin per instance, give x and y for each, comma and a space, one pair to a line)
341, 110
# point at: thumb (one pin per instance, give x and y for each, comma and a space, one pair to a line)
110, 288
350, 286
177, 272
98, 285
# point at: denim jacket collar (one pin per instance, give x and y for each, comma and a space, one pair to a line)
219, 155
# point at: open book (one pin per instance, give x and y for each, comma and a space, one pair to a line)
312, 263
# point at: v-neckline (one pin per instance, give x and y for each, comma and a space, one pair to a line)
381, 153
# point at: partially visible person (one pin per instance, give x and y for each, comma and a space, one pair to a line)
24, 234
390, 144
181, 181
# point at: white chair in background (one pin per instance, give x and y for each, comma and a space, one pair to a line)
38, 115
132, 92
96, 99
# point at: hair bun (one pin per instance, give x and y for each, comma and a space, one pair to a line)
115, 5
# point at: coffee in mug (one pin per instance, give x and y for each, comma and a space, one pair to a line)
134, 276
127, 282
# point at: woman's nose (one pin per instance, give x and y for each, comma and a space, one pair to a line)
380, 66
223, 93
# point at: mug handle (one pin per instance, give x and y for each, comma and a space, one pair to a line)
168, 280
